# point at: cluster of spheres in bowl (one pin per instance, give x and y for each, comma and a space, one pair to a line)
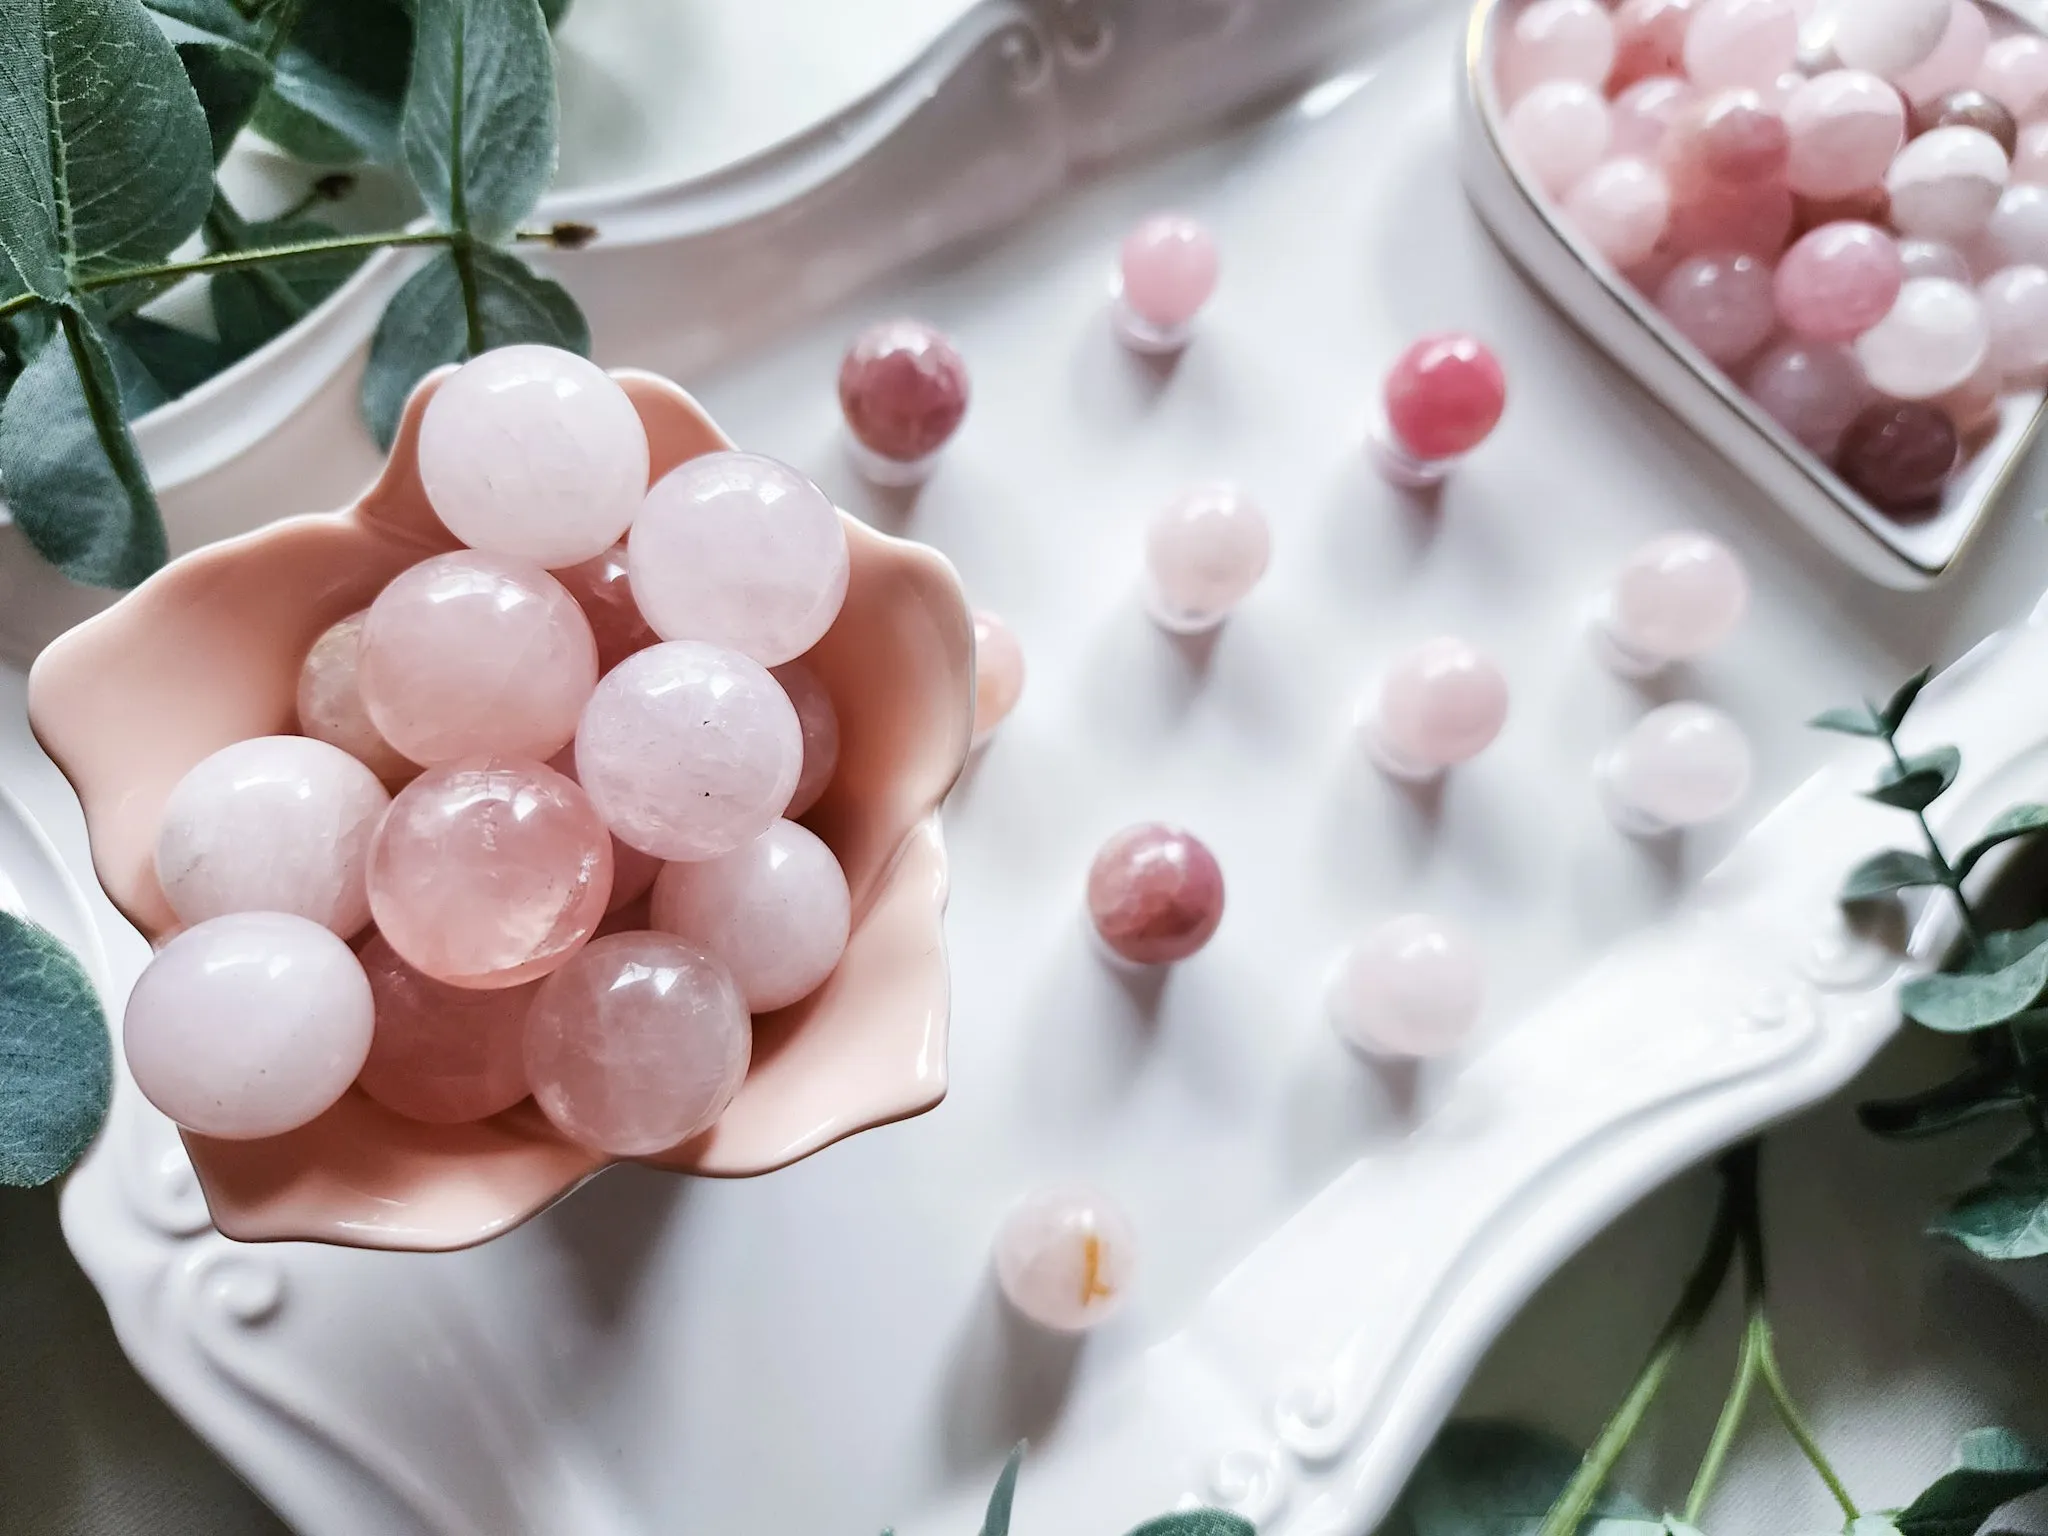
436, 890
1842, 205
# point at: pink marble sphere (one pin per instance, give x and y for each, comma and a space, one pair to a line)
903, 390
818, 719
330, 702
1411, 987
1155, 895
775, 912
998, 673
1204, 553
1441, 704
1166, 272
1675, 599
1838, 281
1444, 396
1065, 1258
603, 589
442, 1054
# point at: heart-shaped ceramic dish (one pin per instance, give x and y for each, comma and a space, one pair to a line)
207, 652
1528, 225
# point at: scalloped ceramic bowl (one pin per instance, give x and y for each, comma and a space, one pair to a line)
207, 652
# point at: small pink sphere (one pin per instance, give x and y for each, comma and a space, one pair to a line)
1064, 1259
1155, 895
688, 750
2016, 309
1558, 132
1811, 390
1649, 40
1956, 59
1730, 136
535, 454
819, 721
603, 589
2017, 233
489, 872
1930, 258
1839, 281
903, 391
469, 654
998, 673
1441, 704
1945, 184
633, 872
330, 702
1641, 117
440, 1054
1444, 396
1724, 305
1675, 599
1682, 765
1973, 405
775, 912
1557, 40
1411, 987
1889, 37
1204, 552
2030, 158
2015, 75
1166, 271
1935, 337
1716, 218
1741, 43
1845, 126
637, 1045
248, 1025
1621, 210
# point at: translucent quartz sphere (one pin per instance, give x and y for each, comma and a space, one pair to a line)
1641, 117
248, 1025
1204, 552
775, 912
1845, 126
1649, 40
1973, 405
1621, 209
469, 653
739, 551
1557, 40
633, 872
689, 751
1675, 599
603, 589
1166, 271
903, 391
1956, 58
330, 702
533, 453
1930, 258
1682, 765
637, 1044
2016, 308
1411, 987
1440, 705
1724, 305
1732, 135
998, 673
273, 824
1558, 131
490, 872
442, 1054
1838, 281
1945, 184
1812, 390
2017, 233
1888, 37
1444, 396
1897, 455
1969, 108
1934, 338
1715, 218
2015, 75
819, 722
1741, 42
2030, 159
1064, 1258
1155, 895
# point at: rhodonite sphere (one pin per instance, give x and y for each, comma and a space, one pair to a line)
442, 1054
819, 721
330, 702
998, 673
1897, 455
1945, 184
273, 824
1155, 895
1558, 40
1741, 43
903, 390
1559, 131
1621, 209
1444, 396
637, 1044
1934, 338
1641, 117
2016, 309
1166, 271
689, 750
471, 653
1956, 58
1411, 987
489, 872
739, 551
1838, 281
775, 912
1064, 1258
2015, 75
1723, 304
1969, 108
1888, 37
1441, 704
1813, 390
603, 589
1675, 599
248, 1025
533, 453
1204, 552
1844, 126
1681, 765
2018, 230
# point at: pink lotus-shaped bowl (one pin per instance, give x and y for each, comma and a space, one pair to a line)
207, 652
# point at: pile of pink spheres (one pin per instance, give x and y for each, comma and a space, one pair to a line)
601, 698
1845, 206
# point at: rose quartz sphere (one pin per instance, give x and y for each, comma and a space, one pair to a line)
1557, 40
1681, 765
2017, 233
742, 552
603, 589
1204, 552
1649, 40
442, 1054
1441, 704
819, 721
1956, 59
1888, 37
248, 1025
330, 702
1945, 184
903, 391
1064, 1258
633, 872
2030, 158
1934, 338
1715, 218
490, 872
689, 750
1741, 43
1621, 209
1845, 126
998, 673
1167, 270
1444, 396
1973, 405
2015, 75
468, 653
1812, 390
637, 1044
774, 911
1676, 598
2016, 309
1730, 136
1641, 117
1155, 895
1412, 987
1930, 258
1724, 305
1838, 281
535, 454
1559, 131
273, 824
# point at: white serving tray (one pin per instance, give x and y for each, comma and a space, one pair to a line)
1327, 1247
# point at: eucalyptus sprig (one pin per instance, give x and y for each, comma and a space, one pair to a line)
56, 1063
114, 117
1186, 1522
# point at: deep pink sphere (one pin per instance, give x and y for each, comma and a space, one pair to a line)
1155, 894
903, 388
1445, 395
1838, 281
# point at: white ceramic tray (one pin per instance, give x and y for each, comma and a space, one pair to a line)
1327, 1247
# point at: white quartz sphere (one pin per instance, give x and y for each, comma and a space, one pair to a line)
1676, 598
2016, 309
2017, 232
1945, 184
248, 1025
1064, 1258
534, 453
1888, 37
741, 551
1412, 987
1559, 132
776, 912
1935, 337
1682, 765
272, 824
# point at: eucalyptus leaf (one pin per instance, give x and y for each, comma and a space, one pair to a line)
338, 83
552, 12
1198, 1522
1856, 720
1486, 1477
139, 391
254, 304
1000, 1502
1995, 1467
2002, 946
426, 325
56, 1061
1984, 1088
2016, 822
2005, 1217
1918, 782
226, 57
1893, 870
177, 360
1896, 708
1959, 1003
478, 133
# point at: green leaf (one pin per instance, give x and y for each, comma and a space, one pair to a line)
2003, 946
1893, 715
1996, 1467
2005, 1217
1957, 1004
56, 1059
71, 473
226, 57
479, 128
254, 304
426, 325
1493, 1478
1857, 720
1919, 781
337, 85
2017, 822
552, 12
997, 1521
177, 360
1893, 870
1198, 1522
1987, 1087
139, 391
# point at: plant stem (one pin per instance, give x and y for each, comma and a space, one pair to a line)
1795, 1425
18, 303
1727, 1425
224, 261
